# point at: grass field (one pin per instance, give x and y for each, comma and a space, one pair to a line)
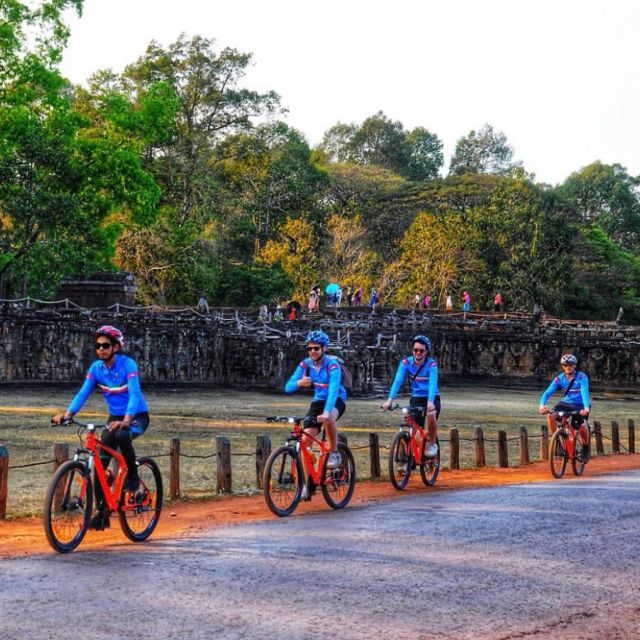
198, 416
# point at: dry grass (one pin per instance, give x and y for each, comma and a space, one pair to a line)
198, 416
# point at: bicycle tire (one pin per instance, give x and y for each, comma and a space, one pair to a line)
557, 454
67, 506
578, 462
338, 484
429, 467
282, 481
139, 511
400, 460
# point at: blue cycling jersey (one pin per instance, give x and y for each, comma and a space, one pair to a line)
578, 394
424, 378
327, 380
119, 383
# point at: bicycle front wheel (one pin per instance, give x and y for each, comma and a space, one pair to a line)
579, 459
400, 460
557, 454
429, 467
139, 511
338, 484
67, 506
282, 481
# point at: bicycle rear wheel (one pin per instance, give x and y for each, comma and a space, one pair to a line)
400, 461
557, 454
338, 484
67, 506
139, 511
429, 467
282, 481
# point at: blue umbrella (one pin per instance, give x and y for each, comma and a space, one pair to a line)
332, 287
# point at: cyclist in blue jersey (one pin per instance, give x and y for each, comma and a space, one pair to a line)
575, 386
116, 377
322, 372
422, 370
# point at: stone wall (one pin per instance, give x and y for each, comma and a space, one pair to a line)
101, 289
232, 349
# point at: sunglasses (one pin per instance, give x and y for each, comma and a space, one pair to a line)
314, 348
419, 350
104, 345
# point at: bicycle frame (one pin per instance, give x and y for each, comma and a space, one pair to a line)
568, 430
298, 434
92, 447
417, 434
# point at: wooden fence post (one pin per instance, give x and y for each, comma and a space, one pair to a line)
263, 451
615, 437
597, 429
632, 435
174, 468
60, 456
480, 456
524, 446
4, 480
544, 442
503, 452
454, 448
374, 455
223, 458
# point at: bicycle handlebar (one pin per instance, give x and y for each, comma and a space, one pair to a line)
289, 419
67, 422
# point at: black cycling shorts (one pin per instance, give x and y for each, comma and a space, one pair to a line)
316, 408
422, 401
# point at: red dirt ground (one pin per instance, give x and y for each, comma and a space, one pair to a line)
24, 537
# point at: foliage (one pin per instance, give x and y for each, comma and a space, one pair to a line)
185, 246
297, 253
379, 141
507, 238
607, 196
266, 175
436, 257
603, 278
175, 171
484, 151
61, 175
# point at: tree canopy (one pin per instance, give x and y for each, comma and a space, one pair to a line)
177, 171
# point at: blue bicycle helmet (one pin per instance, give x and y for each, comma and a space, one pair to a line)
423, 340
319, 337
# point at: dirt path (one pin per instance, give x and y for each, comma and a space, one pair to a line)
186, 519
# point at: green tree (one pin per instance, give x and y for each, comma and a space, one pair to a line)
187, 243
603, 278
437, 256
267, 175
607, 196
380, 141
483, 151
61, 177
424, 157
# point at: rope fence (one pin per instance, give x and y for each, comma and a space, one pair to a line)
223, 455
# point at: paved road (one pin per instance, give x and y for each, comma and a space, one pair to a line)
552, 560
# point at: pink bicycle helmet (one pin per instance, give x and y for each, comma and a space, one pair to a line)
115, 335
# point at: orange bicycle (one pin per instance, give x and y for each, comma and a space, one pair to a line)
284, 478
566, 444
407, 451
69, 501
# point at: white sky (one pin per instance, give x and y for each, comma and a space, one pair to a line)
560, 78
